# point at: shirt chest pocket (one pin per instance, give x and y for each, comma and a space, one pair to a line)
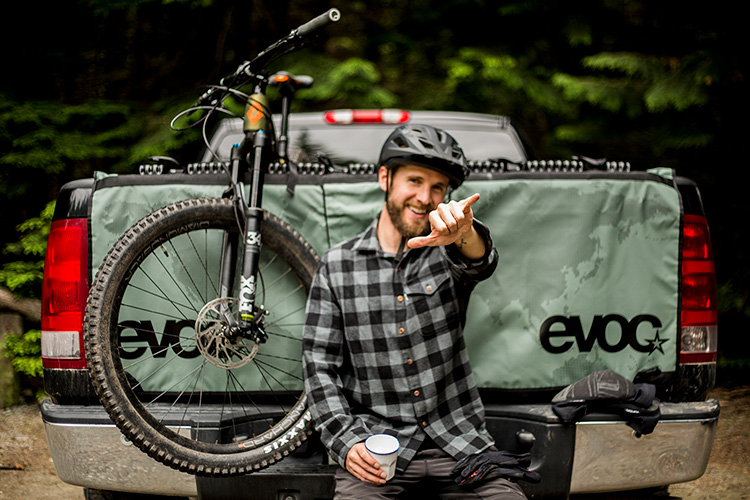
433, 306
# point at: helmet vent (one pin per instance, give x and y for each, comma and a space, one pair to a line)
426, 144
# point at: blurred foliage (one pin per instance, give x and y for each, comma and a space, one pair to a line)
23, 276
25, 352
23, 273
353, 80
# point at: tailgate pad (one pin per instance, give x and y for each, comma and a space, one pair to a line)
588, 277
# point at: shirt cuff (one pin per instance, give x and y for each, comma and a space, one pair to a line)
345, 443
460, 260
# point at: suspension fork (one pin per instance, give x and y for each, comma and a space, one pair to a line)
230, 240
253, 223
249, 324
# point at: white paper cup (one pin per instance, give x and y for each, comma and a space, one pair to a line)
384, 448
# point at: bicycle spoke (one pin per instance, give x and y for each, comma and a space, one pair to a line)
281, 277
151, 311
283, 299
284, 336
155, 295
283, 358
292, 313
171, 276
195, 377
260, 363
204, 263
245, 392
193, 392
164, 294
153, 355
263, 372
166, 391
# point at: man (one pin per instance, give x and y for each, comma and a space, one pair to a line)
383, 344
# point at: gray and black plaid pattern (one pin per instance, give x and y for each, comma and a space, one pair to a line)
384, 351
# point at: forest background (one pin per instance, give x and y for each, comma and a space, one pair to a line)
91, 85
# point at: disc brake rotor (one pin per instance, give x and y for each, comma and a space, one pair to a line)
216, 339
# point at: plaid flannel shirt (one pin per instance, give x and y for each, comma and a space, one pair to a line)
384, 350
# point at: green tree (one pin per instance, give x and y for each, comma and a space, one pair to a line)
23, 276
25, 352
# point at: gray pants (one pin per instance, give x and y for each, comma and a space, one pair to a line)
426, 477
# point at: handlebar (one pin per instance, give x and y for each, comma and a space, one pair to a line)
319, 22
289, 43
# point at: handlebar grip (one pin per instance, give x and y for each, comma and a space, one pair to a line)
319, 22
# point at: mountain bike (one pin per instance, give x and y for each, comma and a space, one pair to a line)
217, 390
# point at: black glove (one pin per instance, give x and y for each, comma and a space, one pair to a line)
489, 464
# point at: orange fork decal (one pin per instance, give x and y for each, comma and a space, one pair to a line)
255, 113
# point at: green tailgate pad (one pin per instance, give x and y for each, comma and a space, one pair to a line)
588, 277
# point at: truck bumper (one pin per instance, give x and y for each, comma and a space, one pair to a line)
90, 451
599, 454
611, 456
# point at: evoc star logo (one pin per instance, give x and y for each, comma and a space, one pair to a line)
656, 343
558, 334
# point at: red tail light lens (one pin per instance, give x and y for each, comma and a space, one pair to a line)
698, 293
696, 241
699, 311
350, 116
64, 293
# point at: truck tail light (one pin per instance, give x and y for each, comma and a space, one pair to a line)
64, 291
699, 316
349, 116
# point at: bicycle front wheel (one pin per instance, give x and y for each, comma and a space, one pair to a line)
167, 371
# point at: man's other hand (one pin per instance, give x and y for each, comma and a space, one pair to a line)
363, 466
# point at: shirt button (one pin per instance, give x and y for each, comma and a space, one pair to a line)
416, 393
409, 362
424, 423
428, 288
401, 330
400, 298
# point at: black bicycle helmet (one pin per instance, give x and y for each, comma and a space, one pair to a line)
425, 146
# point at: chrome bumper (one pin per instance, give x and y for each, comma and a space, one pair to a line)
90, 451
610, 456
599, 454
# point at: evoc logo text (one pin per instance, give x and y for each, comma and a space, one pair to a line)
558, 334
136, 337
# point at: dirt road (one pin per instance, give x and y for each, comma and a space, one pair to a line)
27, 472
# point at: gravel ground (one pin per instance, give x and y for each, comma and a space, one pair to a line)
27, 472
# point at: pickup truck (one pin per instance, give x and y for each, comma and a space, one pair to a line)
602, 267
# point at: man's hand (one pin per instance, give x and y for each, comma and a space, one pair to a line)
363, 466
453, 222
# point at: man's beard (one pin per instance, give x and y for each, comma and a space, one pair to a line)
407, 231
